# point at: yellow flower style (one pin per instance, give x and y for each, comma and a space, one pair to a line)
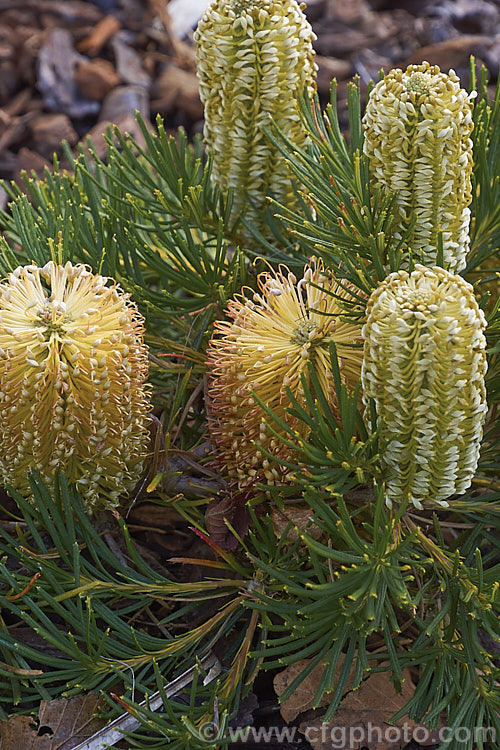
264, 348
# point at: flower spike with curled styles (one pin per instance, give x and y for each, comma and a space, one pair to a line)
424, 366
264, 348
254, 58
73, 396
417, 129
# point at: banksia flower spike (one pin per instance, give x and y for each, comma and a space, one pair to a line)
73, 367
417, 130
424, 365
272, 336
254, 57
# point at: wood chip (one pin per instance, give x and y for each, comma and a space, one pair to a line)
330, 68
127, 123
6, 50
177, 89
12, 129
129, 63
18, 103
347, 11
29, 161
9, 80
95, 78
343, 43
56, 76
315, 9
100, 35
125, 100
49, 131
452, 53
76, 11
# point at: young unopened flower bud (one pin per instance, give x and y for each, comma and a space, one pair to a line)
424, 366
73, 366
265, 348
417, 129
254, 58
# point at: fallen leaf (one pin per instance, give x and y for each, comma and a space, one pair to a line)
61, 725
302, 698
301, 520
232, 509
363, 719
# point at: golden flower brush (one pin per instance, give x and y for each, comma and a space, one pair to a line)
73, 367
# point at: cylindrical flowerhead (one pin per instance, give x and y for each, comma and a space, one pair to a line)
254, 58
417, 130
73, 396
424, 366
264, 348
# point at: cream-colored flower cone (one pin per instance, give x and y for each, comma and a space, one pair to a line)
424, 366
417, 130
254, 59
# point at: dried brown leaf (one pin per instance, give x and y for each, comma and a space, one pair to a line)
302, 698
363, 719
300, 518
229, 508
62, 725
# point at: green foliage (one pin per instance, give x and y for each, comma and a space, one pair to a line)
359, 585
341, 222
485, 229
146, 218
357, 573
339, 454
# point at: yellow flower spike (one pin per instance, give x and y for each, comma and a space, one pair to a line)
73, 397
417, 130
264, 348
254, 58
424, 366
